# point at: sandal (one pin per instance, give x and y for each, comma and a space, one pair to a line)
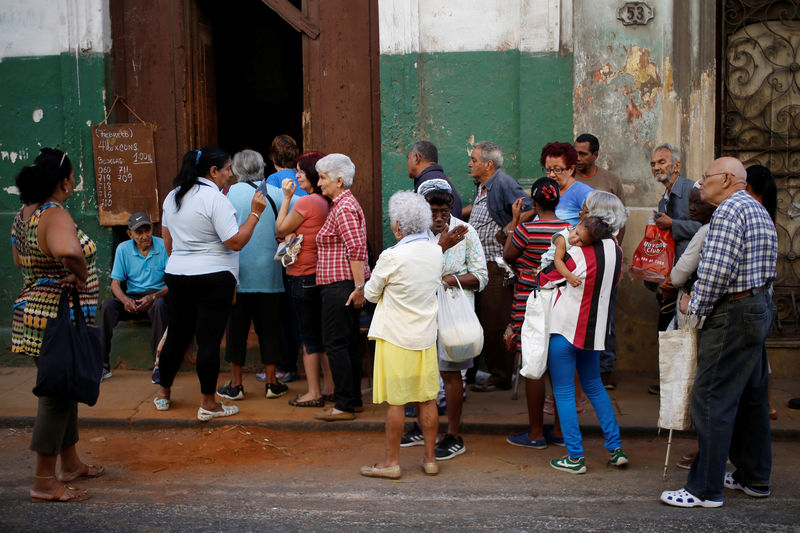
296, 402
90, 471
162, 404
61, 495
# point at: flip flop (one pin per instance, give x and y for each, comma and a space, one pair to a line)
87, 472
295, 402
58, 497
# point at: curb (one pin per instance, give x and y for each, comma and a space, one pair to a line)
354, 426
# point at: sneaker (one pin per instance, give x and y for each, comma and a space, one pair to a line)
276, 390
568, 464
156, 379
106, 373
413, 437
287, 377
756, 491
684, 498
261, 377
522, 439
231, 393
618, 458
450, 447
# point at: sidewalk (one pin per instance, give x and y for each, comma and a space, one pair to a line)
126, 400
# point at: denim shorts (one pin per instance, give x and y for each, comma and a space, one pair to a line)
306, 306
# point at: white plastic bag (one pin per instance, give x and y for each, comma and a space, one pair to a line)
677, 366
535, 333
460, 331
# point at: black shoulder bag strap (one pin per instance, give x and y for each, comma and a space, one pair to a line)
269, 198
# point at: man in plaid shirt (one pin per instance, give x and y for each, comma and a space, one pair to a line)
730, 409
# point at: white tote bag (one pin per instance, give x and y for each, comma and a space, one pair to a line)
460, 331
535, 333
677, 366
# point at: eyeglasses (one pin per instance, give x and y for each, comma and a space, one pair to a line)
704, 177
554, 170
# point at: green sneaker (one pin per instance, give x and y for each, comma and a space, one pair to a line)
618, 458
568, 464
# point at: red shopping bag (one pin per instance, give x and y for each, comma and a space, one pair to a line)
652, 260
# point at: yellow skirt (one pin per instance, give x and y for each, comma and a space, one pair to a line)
401, 376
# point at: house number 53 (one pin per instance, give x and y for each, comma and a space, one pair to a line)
635, 13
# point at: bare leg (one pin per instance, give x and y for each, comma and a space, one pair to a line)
327, 376
311, 364
269, 371
236, 374
453, 391
534, 394
429, 420
395, 420
45, 484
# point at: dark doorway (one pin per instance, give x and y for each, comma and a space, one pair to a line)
258, 73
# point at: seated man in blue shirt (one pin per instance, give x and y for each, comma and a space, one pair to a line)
139, 263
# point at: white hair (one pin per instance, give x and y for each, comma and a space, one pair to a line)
337, 166
491, 152
676, 153
248, 165
607, 207
410, 211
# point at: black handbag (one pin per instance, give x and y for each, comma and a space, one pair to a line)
70, 361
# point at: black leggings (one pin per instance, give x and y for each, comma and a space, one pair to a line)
199, 306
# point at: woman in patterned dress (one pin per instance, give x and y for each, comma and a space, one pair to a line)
52, 253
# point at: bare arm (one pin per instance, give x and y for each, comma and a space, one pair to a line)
558, 261
242, 237
58, 238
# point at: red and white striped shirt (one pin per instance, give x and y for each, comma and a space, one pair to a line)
342, 238
580, 313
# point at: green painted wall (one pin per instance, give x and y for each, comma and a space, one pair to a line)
70, 93
519, 100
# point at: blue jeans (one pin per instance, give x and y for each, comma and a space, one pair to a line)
562, 359
730, 409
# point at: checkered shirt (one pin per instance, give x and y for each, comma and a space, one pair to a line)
740, 252
485, 225
342, 238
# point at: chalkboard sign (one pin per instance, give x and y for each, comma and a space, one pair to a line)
125, 171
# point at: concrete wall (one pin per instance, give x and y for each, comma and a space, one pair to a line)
460, 72
634, 88
53, 63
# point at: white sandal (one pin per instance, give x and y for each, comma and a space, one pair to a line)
684, 498
162, 404
227, 410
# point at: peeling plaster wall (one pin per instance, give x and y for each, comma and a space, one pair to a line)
456, 72
53, 63
636, 87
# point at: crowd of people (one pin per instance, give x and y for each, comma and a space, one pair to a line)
238, 247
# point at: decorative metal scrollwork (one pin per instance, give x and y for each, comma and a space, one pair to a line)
760, 123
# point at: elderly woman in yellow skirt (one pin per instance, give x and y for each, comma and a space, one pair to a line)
404, 284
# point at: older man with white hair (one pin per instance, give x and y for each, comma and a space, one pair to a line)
730, 409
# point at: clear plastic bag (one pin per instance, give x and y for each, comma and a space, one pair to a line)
460, 331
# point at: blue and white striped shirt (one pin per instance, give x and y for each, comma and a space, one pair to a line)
740, 252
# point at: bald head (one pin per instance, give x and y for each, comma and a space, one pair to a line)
723, 177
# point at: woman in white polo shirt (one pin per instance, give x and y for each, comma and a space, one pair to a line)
203, 238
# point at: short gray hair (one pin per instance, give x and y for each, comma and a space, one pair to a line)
607, 207
411, 212
248, 165
676, 153
337, 166
491, 152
